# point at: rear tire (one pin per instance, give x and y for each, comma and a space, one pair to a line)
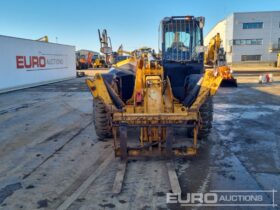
206, 113
101, 120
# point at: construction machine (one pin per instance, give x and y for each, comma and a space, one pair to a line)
112, 57
98, 61
158, 96
43, 39
215, 56
127, 60
83, 61
105, 46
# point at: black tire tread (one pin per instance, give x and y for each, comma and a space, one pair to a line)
101, 120
206, 113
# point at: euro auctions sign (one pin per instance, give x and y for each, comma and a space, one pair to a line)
225, 198
24, 62
27, 63
41, 62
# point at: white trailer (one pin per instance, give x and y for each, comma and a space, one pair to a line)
26, 63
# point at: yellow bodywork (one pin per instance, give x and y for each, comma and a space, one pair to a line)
153, 107
212, 59
213, 47
43, 39
97, 63
129, 61
99, 90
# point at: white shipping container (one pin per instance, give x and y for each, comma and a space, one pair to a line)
27, 63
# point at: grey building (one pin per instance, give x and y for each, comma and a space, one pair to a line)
249, 37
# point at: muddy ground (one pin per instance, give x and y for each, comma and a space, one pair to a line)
48, 148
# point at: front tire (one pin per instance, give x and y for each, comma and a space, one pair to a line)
101, 120
206, 113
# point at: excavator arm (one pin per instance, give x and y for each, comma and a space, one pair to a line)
211, 55
215, 58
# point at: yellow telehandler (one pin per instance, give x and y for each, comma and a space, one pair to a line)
157, 96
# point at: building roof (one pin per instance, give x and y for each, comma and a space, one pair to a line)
86, 51
33, 40
257, 12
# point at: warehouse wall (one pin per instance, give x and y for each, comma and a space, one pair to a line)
25, 63
270, 33
232, 29
228, 38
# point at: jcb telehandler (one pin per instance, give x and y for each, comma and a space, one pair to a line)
159, 95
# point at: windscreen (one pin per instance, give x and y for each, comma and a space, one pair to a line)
180, 38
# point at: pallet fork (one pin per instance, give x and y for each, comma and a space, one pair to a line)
157, 123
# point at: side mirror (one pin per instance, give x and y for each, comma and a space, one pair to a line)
201, 21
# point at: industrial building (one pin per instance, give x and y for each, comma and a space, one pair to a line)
249, 37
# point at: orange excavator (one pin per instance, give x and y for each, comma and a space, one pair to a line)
216, 57
82, 61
